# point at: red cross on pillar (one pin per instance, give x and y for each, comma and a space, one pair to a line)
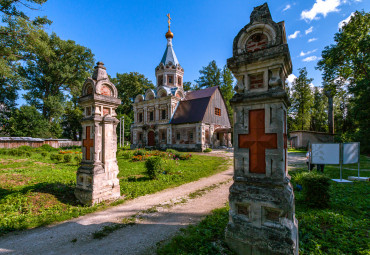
88, 143
257, 141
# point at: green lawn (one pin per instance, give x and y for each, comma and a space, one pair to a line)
343, 228
35, 190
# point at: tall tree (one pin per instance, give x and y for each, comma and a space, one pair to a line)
187, 85
227, 89
302, 101
28, 121
319, 111
210, 76
129, 85
51, 74
349, 59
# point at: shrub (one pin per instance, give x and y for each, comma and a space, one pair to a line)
207, 150
127, 154
28, 154
171, 151
140, 152
67, 158
154, 166
53, 156
185, 156
78, 158
47, 147
44, 154
315, 188
59, 157
25, 148
176, 155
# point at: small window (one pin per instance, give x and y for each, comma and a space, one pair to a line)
151, 116
178, 136
170, 79
163, 114
218, 111
179, 81
160, 80
163, 135
140, 117
140, 136
191, 135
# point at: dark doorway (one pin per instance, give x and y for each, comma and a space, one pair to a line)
151, 140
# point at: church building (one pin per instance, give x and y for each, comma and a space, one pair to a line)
169, 117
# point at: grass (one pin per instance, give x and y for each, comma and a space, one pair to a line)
297, 150
36, 191
343, 228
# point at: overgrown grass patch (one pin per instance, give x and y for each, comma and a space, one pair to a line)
36, 191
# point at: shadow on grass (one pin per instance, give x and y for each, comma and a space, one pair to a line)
62, 191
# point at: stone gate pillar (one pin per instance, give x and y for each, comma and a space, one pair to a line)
97, 175
262, 214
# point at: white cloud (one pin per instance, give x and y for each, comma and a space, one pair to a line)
311, 85
345, 21
290, 79
307, 53
312, 40
294, 35
308, 30
320, 7
287, 7
310, 59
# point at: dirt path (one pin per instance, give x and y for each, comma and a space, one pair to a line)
157, 218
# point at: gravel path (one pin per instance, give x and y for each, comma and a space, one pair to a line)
158, 217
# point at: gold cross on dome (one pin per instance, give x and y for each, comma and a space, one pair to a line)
169, 20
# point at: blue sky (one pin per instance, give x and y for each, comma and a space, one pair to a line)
129, 35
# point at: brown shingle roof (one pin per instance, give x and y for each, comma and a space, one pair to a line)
190, 111
208, 92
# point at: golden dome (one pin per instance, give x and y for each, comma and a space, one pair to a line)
169, 34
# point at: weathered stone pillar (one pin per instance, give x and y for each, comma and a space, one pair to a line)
97, 176
262, 214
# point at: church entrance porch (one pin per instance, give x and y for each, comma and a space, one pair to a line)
151, 138
222, 137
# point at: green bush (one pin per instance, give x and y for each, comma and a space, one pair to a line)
59, 157
28, 154
25, 148
207, 150
47, 147
171, 151
44, 154
67, 158
186, 156
78, 158
53, 156
127, 154
315, 188
154, 166
140, 152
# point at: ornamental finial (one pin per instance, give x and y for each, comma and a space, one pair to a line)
169, 34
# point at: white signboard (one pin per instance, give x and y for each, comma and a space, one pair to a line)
350, 153
327, 153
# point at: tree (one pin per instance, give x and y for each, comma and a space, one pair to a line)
349, 60
210, 76
319, 111
71, 121
187, 86
18, 34
302, 101
129, 85
227, 89
51, 74
27, 121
